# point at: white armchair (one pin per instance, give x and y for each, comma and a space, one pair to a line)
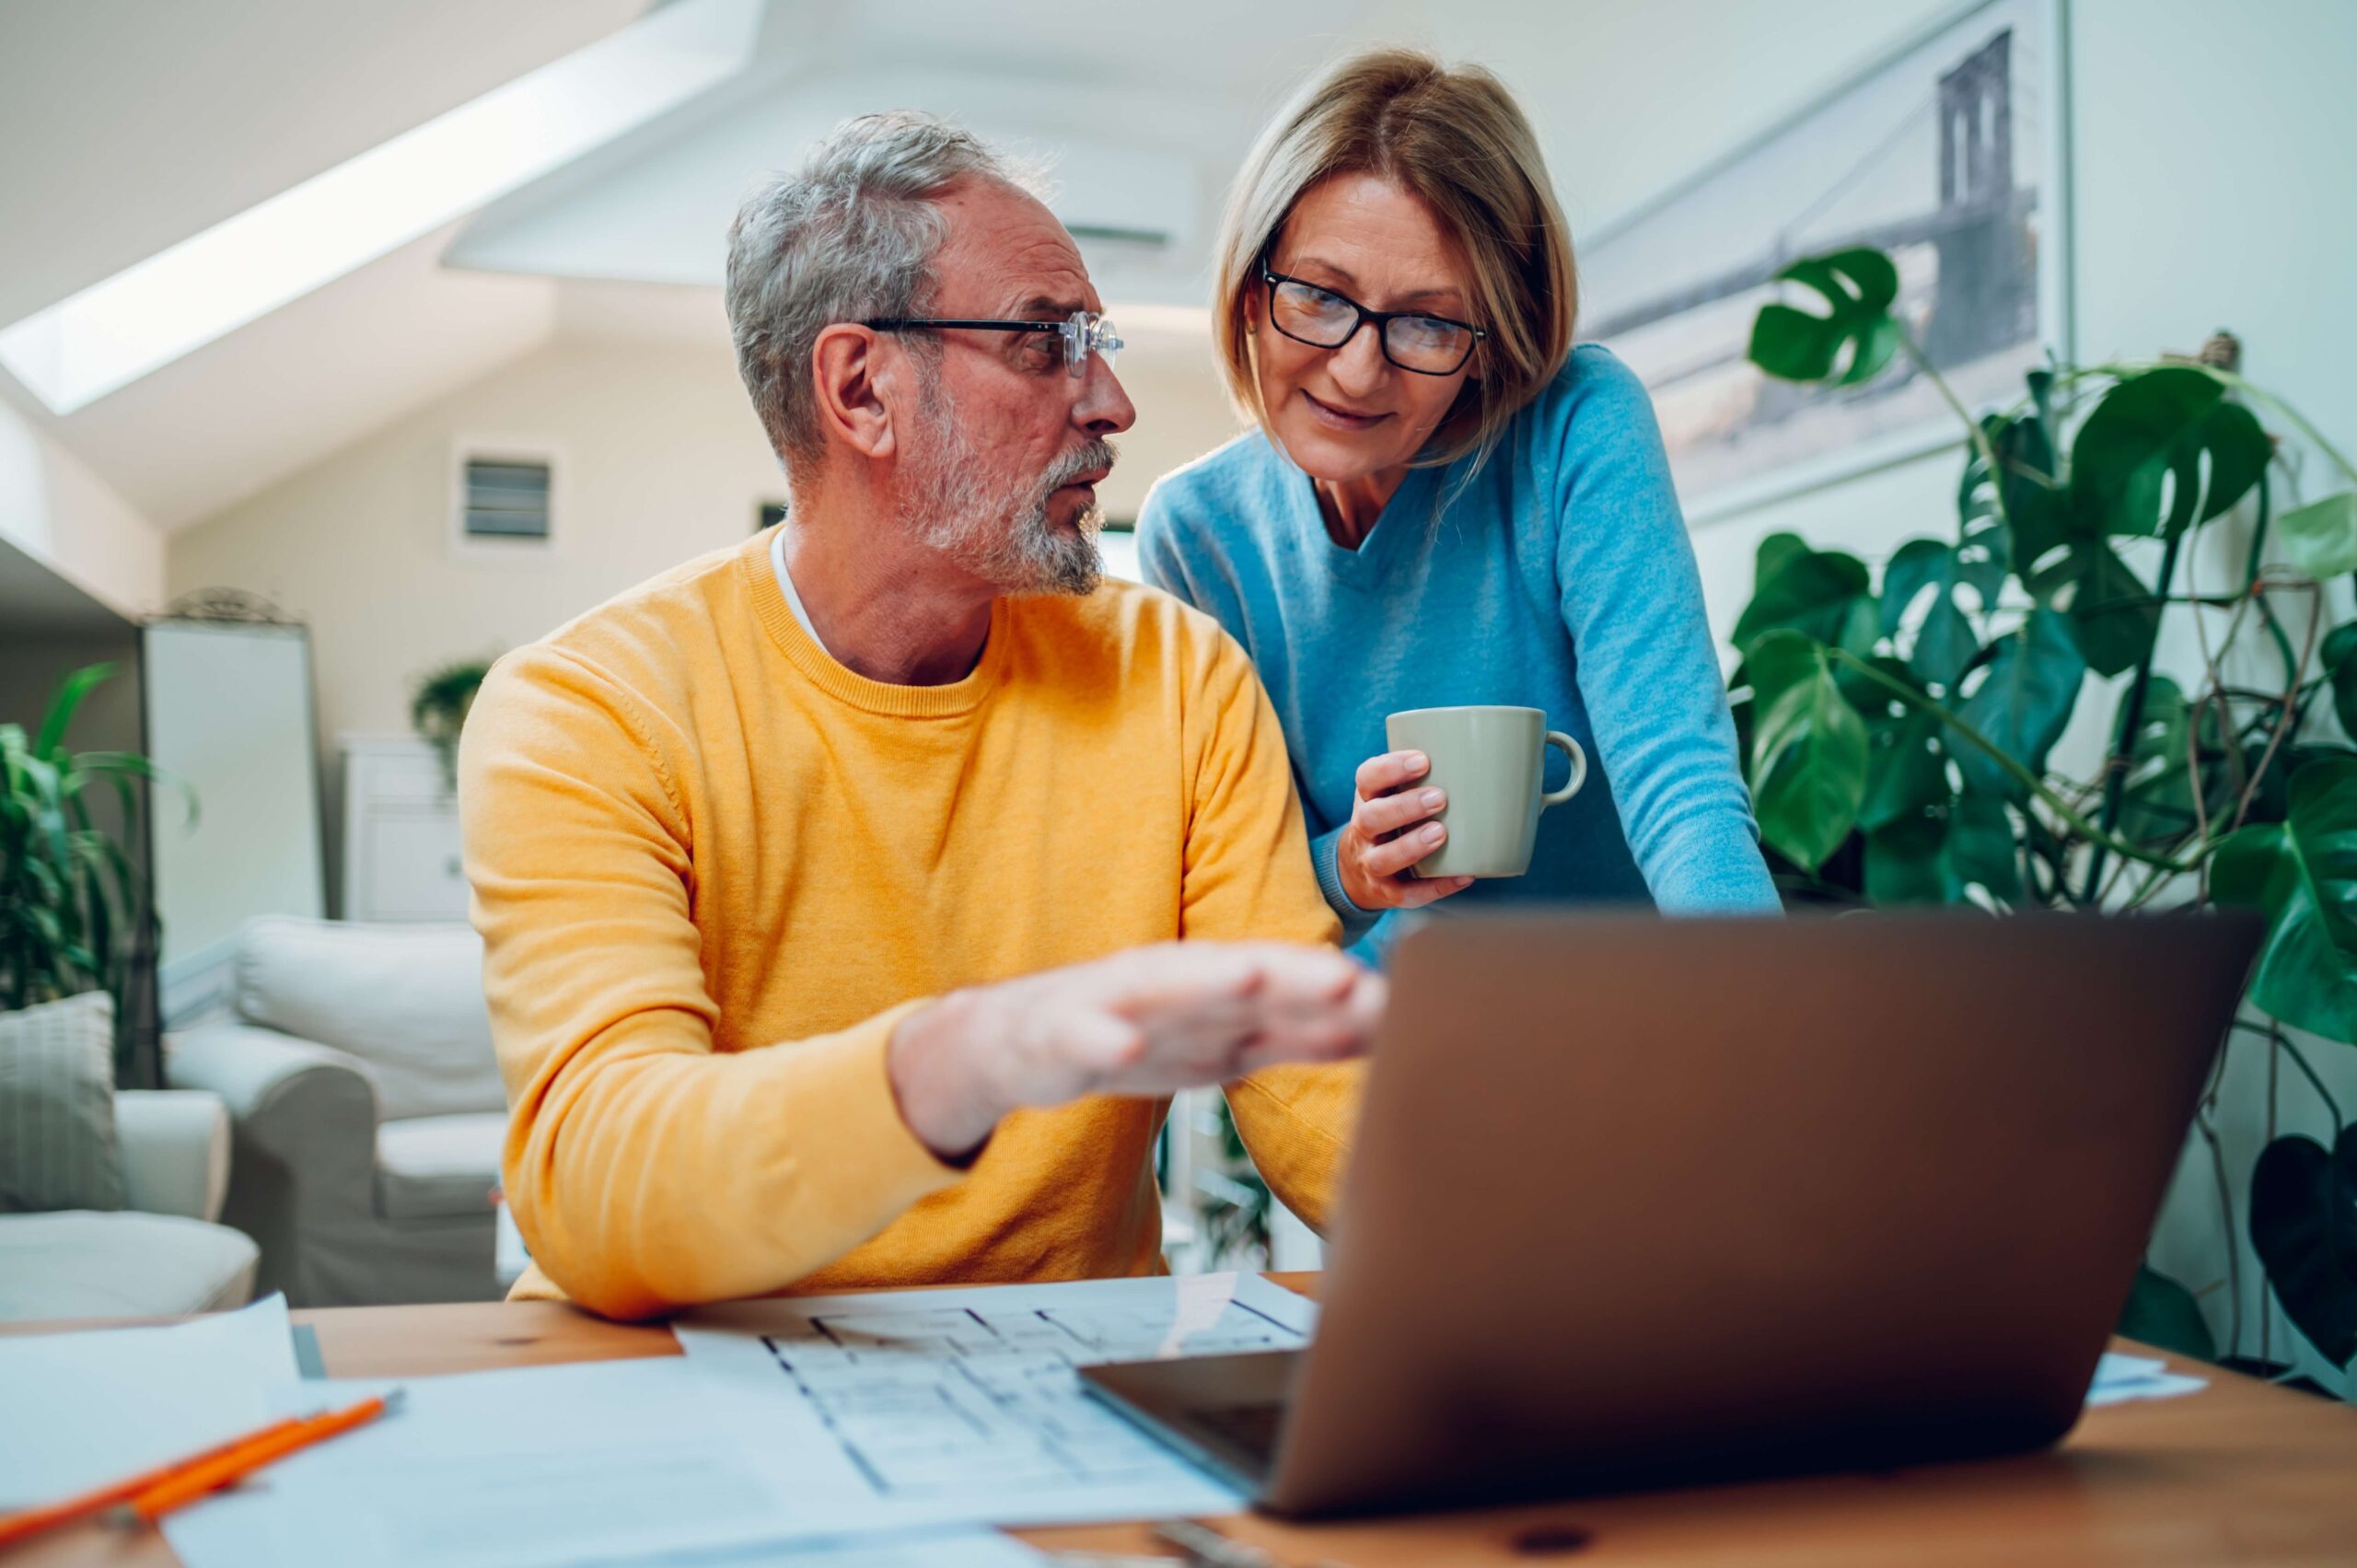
159, 1255
368, 1113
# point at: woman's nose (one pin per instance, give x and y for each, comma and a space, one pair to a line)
1359, 366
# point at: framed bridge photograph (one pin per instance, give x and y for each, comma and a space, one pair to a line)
1950, 155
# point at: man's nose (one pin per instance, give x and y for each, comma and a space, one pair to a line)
1104, 408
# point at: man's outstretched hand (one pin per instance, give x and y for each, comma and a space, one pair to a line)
1148, 1021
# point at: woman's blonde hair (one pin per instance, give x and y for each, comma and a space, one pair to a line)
1454, 138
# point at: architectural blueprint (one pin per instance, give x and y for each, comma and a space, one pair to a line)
962, 1404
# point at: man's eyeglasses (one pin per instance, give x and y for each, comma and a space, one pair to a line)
1083, 332
1429, 345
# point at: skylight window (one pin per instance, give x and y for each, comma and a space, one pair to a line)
177, 300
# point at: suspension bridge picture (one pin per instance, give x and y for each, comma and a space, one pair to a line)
1943, 156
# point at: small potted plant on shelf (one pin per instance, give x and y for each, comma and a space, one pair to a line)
438, 705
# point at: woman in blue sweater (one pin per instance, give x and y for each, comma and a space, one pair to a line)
1446, 503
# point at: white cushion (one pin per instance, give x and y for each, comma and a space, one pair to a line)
407, 1000
76, 1263
435, 1168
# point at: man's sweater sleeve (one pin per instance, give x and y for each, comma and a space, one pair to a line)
1247, 877
1167, 555
646, 1171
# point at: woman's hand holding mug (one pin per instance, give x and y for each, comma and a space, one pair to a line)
1391, 829
1491, 778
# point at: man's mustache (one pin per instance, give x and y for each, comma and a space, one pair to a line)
1085, 459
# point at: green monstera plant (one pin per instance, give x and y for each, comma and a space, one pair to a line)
1898, 733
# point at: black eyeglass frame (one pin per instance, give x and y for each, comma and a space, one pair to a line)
1096, 336
1270, 278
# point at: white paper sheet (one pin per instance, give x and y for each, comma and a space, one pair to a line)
2121, 1379
78, 1410
924, 1406
955, 1547
537, 1465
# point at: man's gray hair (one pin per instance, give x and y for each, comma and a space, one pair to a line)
849, 236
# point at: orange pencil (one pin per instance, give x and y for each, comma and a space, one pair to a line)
202, 1480
33, 1521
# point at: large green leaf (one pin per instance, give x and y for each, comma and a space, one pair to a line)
1858, 288
1906, 769
2059, 546
2303, 872
2304, 1227
2114, 617
1936, 855
2025, 454
1808, 748
2163, 451
61, 707
1944, 642
2162, 1313
1821, 593
1981, 850
2320, 538
2068, 566
2023, 703
1905, 862
2340, 663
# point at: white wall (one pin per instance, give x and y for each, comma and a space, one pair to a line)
63, 516
2207, 197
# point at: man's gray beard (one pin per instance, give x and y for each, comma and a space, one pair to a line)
1005, 537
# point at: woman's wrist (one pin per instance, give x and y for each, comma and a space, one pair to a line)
1326, 859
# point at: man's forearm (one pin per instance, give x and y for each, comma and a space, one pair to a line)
646, 1179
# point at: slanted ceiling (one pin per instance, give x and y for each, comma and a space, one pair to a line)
128, 126
154, 122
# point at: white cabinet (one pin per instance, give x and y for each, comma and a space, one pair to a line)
400, 832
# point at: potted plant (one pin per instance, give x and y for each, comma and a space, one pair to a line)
438, 708
73, 900
1899, 728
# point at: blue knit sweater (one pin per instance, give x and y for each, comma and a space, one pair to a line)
1558, 576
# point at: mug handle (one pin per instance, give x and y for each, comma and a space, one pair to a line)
1577, 758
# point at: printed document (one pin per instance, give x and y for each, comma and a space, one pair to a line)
945, 1405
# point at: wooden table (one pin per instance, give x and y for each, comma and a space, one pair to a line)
2240, 1473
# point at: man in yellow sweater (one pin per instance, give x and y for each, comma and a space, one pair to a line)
832, 886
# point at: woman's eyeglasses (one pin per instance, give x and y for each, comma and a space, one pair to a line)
1429, 345
1083, 332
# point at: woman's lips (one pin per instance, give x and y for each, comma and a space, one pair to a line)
1341, 419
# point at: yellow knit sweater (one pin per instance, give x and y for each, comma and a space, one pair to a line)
712, 869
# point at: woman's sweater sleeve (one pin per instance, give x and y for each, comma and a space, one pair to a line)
1632, 599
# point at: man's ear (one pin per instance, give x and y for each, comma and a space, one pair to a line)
852, 373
